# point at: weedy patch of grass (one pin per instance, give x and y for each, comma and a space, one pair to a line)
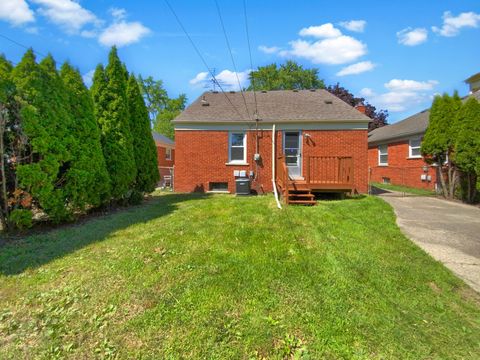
220, 277
405, 189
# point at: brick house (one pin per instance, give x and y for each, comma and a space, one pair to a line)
316, 137
165, 156
394, 150
394, 154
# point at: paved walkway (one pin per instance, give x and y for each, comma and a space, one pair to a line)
448, 231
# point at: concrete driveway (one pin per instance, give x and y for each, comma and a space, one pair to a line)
448, 231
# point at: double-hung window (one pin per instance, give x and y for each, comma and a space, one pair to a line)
237, 147
414, 148
168, 154
383, 155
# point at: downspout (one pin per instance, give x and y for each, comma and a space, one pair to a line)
273, 168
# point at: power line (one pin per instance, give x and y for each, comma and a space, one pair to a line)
250, 54
201, 56
21, 45
231, 57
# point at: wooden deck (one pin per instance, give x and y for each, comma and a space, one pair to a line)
321, 174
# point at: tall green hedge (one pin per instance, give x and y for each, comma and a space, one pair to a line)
46, 121
111, 110
88, 183
66, 149
144, 148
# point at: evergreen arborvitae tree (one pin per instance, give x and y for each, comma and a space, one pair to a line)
111, 110
88, 182
144, 147
440, 138
46, 122
467, 149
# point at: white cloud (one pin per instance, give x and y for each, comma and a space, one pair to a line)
123, 33
412, 37
410, 85
357, 68
452, 24
322, 31
88, 78
67, 14
269, 49
118, 13
339, 50
332, 48
354, 25
199, 79
366, 92
226, 78
401, 94
16, 12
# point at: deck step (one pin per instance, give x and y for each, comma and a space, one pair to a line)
307, 195
301, 197
302, 202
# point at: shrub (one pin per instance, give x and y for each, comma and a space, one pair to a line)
21, 219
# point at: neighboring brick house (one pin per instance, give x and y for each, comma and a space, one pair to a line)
394, 154
217, 141
165, 156
394, 151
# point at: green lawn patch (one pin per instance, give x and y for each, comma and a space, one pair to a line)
223, 277
405, 189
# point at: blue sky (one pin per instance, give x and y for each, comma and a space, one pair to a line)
396, 56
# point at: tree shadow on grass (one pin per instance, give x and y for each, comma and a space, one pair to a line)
36, 250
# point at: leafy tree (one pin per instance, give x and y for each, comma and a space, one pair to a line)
88, 182
161, 108
440, 138
111, 110
163, 123
379, 118
288, 76
46, 121
144, 148
467, 149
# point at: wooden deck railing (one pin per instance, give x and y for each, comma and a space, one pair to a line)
329, 170
281, 175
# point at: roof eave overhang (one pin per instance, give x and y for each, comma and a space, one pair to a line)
399, 137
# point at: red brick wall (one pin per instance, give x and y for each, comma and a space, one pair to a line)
202, 156
161, 157
401, 169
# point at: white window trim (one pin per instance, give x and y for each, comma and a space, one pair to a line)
168, 154
380, 153
410, 156
237, 162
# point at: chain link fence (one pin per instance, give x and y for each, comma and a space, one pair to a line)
166, 177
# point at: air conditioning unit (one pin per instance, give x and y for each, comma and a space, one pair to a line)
242, 186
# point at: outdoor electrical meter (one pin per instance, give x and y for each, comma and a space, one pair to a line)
242, 186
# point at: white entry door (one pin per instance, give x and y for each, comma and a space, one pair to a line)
292, 148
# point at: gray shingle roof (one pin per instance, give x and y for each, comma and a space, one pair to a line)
162, 139
413, 125
273, 106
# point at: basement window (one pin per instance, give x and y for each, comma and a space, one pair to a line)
386, 180
383, 155
218, 186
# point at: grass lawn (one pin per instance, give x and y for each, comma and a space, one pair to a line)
406, 189
219, 277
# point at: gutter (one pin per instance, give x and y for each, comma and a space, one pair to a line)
273, 168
